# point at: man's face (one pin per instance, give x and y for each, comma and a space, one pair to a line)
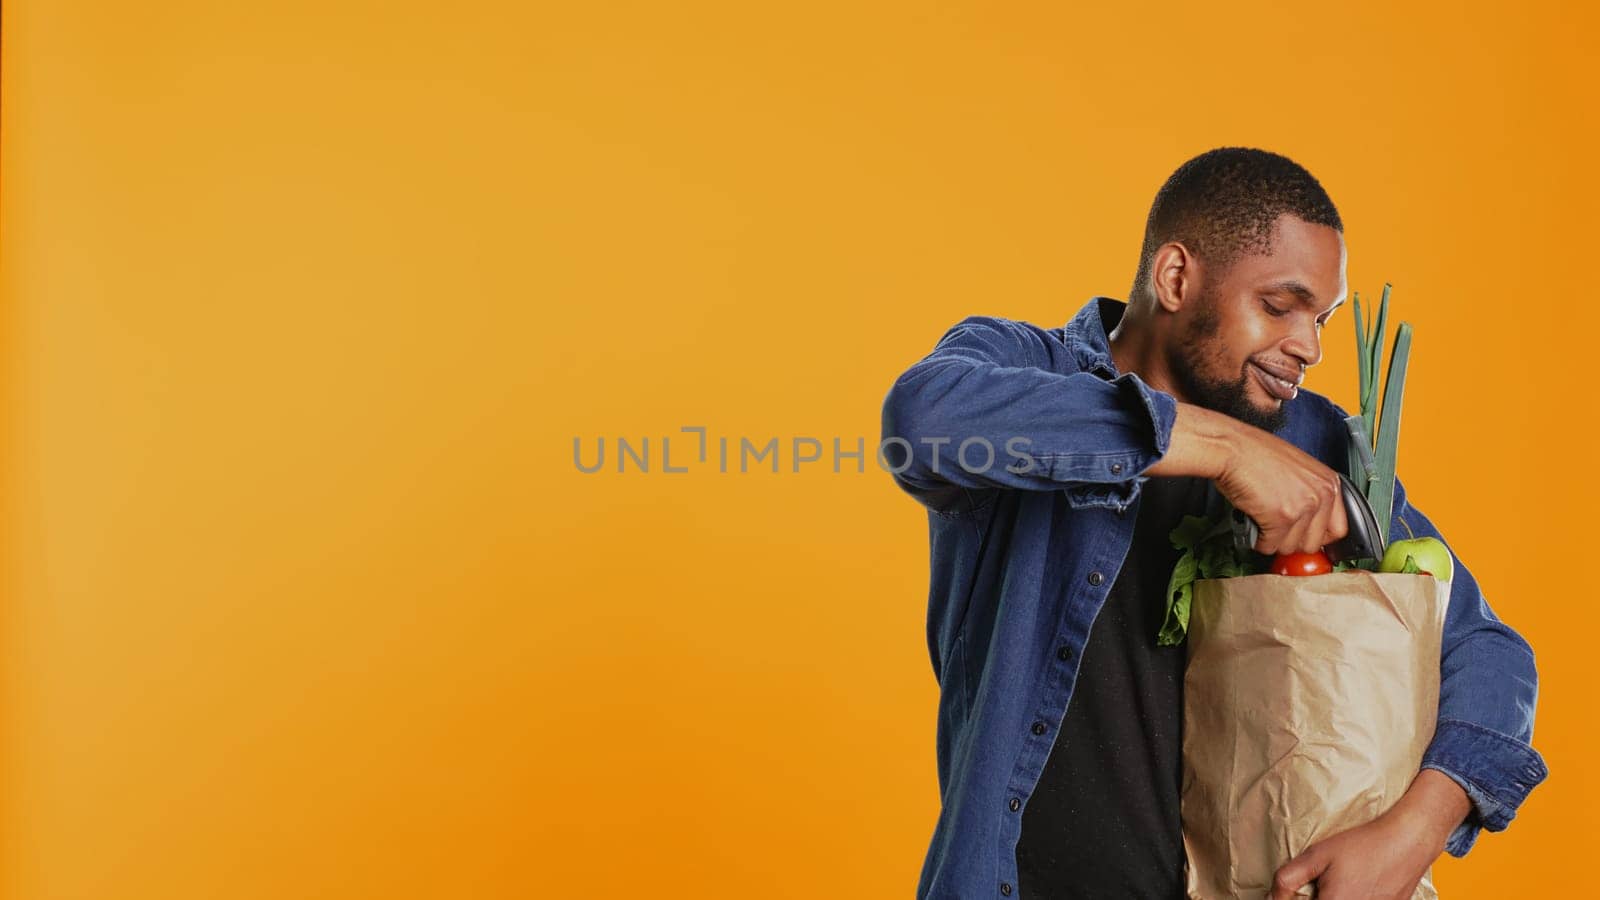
1243, 348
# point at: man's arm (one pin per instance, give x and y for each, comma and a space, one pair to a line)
1295, 500
1488, 688
1475, 773
1385, 858
987, 388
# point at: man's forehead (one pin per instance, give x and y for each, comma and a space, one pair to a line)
1304, 264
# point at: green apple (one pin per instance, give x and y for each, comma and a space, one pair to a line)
1430, 555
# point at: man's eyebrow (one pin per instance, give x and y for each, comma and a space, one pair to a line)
1302, 293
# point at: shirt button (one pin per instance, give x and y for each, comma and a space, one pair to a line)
1064, 654
1005, 888
1015, 804
1095, 578
1116, 468
1038, 728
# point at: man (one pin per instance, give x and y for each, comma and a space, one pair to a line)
1059, 717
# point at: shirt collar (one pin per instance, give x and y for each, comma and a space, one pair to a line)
1086, 335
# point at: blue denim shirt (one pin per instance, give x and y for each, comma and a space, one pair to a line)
1023, 555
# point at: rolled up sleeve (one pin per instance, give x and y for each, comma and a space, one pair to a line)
1497, 772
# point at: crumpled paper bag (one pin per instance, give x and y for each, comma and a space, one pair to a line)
1308, 703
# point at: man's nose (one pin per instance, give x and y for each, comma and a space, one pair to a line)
1305, 344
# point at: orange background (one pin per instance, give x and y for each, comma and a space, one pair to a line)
304, 306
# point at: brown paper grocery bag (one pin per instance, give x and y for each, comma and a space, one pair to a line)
1308, 703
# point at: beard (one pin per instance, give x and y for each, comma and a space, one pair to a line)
1192, 365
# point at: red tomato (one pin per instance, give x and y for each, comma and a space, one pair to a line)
1302, 564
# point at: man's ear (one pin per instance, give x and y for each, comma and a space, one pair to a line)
1174, 276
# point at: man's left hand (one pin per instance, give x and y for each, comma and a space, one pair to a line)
1386, 857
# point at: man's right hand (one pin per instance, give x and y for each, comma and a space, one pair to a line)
1294, 499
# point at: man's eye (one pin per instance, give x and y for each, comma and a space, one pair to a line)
1273, 310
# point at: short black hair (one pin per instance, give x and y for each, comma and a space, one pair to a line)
1222, 205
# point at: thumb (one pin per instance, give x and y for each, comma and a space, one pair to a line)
1299, 872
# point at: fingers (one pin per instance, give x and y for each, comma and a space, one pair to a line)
1316, 536
1325, 519
1297, 502
1299, 872
1268, 539
1294, 537
1283, 536
1304, 535
1340, 526
1309, 522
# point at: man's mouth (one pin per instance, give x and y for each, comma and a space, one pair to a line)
1281, 388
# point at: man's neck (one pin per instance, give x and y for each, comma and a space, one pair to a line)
1135, 348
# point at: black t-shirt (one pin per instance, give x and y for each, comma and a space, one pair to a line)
1103, 820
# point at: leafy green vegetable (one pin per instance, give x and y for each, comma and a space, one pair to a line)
1369, 403
1374, 441
1363, 469
1216, 559
1190, 532
1180, 593
1411, 567
1207, 546
1381, 494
